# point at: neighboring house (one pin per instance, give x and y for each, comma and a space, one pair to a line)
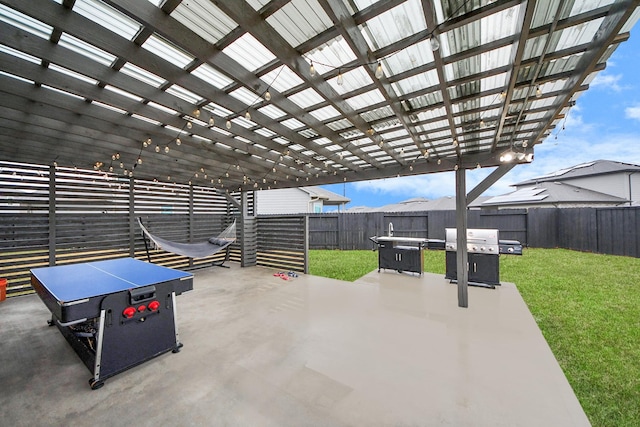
593, 184
552, 195
604, 176
297, 200
417, 204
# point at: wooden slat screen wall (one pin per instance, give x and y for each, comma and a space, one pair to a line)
93, 217
24, 223
282, 242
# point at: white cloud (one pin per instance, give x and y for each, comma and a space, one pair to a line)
632, 112
607, 81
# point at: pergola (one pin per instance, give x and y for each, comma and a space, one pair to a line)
246, 95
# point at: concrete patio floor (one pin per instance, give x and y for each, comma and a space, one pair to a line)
387, 350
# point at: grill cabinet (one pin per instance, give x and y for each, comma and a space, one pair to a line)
483, 256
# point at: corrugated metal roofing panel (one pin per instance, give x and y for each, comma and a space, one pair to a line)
142, 75
300, 20
396, 24
205, 19
108, 17
212, 76
168, 51
325, 113
282, 79
369, 98
306, 98
24, 22
86, 49
351, 80
249, 52
413, 56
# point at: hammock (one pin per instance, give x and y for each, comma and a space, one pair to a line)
194, 250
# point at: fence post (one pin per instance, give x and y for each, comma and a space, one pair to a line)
132, 220
52, 215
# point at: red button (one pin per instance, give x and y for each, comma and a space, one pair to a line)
129, 312
154, 305
142, 308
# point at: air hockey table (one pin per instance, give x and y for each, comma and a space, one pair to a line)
116, 314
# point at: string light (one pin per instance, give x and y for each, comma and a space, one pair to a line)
538, 92
178, 142
379, 72
211, 121
434, 42
247, 115
267, 95
312, 69
196, 113
228, 124
189, 125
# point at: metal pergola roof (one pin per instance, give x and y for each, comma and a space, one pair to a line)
222, 93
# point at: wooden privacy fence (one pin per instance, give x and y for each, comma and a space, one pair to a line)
612, 230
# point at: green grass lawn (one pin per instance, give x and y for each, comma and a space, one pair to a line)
587, 306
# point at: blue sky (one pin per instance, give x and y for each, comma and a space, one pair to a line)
604, 124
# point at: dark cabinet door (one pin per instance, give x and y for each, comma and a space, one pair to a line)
410, 260
484, 268
387, 257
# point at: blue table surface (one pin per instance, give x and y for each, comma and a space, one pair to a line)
75, 282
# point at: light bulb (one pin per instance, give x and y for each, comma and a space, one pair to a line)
228, 124
379, 72
247, 115
166, 149
178, 142
139, 160
340, 80
538, 92
482, 123
312, 69
211, 121
118, 154
121, 165
267, 95
434, 42
196, 113
113, 156
157, 148
455, 142
455, 168
189, 125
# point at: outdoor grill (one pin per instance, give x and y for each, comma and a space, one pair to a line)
483, 256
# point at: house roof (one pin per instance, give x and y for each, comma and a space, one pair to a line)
552, 193
598, 167
417, 204
245, 94
328, 197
